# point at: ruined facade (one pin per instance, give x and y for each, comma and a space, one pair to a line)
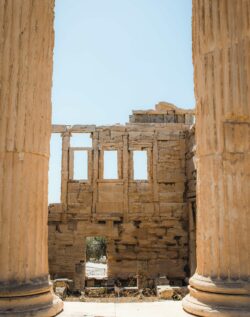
190, 195
145, 222
220, 286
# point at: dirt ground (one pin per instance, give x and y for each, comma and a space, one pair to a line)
111, 299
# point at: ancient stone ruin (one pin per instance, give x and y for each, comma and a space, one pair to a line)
149, 224
144, 221
26, 50
221, 46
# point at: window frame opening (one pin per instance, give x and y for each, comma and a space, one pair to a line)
136, 164
88, 164
105, 177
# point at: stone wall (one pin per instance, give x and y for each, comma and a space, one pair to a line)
145, 222
191, 195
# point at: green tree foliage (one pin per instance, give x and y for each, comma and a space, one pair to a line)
96, 248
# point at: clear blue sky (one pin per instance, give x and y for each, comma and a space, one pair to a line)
113, 56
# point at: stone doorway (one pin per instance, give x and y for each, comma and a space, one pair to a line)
96, 258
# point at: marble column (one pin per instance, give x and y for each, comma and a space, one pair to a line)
221, 57
26, 51
65, 168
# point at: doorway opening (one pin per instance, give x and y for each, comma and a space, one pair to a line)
96, 258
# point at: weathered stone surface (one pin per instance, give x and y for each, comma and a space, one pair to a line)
145, 222
190, 194
164, 291
26, 47
164, 113
221, 42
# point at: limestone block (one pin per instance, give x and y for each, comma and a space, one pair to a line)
141, 135
85, 210
116, 136
56, 208
108, 207
110, 192
171, 187
164, 291
174, 197
168, 176
73, 187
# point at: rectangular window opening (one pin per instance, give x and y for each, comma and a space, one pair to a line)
140, 165
96, 258
110, 165
55, 168
80, 165
81, 140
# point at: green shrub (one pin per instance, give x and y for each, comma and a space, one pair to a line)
96, 248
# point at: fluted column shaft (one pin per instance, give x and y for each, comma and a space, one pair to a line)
221, 57
26, 48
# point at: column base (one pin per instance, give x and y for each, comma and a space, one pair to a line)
200, 303
39, 305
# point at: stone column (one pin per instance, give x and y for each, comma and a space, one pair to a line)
221, 56
26, 48
65, 168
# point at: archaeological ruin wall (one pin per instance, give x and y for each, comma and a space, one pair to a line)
190, 195
145, 221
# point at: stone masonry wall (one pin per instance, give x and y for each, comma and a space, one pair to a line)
191, 195
145, 222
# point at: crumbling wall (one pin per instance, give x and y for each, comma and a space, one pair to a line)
145, 222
